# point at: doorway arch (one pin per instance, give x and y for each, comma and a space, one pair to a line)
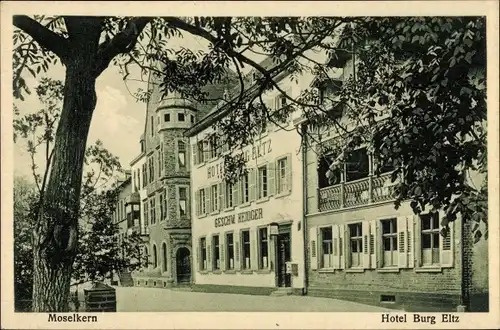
183, 265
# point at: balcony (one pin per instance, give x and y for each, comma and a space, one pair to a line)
365, 191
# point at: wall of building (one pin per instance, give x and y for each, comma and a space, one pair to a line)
286, 208
412, 286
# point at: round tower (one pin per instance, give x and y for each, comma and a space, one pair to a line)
174, 116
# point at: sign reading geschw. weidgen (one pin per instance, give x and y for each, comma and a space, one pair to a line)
245, 216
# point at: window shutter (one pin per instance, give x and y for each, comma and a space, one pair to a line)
236, 243
289, 172
345, 260
410, 240
402, 244
222, 192
157, 207
222, 251
336, 247
236, 193
252, 187
197, 201
417, 235
373, 244
208, 198
313, 246
209, 251
271, 169
446, 246
254, 265
366, 243
197, 251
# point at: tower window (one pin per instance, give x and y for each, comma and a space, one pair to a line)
166, 117
192, 119
181, 117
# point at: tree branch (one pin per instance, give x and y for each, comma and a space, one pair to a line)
122, 42
43, 36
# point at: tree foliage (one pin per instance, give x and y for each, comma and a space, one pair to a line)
428, 72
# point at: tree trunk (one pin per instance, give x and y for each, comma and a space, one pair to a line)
56, 232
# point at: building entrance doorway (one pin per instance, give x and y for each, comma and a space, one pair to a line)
283, 255
183, 268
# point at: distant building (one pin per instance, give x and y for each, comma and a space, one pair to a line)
161, 178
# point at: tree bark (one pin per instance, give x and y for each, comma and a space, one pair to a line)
56, 232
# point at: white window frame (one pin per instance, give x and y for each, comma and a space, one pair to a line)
243, 263
263, 263
322, 250
391, 236
228, 247
359, 242
216, 257
178, 197
262, 186
203, 259
432, 232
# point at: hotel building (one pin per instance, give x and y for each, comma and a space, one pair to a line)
361, 248
248, 236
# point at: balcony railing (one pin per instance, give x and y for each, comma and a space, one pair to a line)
372, 189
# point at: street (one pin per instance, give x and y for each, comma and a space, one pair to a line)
135, 299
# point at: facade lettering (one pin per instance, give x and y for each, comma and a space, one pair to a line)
242, 217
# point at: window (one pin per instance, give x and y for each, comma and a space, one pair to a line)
182, 201
181, 117
263, 125
164, 256
181, 153
389, 241
146, 256
144, 175
229, 194
203, 248
245, 241
160, 160
213, 142
326, 248
282, 175
229, 251
145, 212
151, 166
356, 240
263, 244
203, 205
201, 154
155, 257
430, 238
216, 252
162, 207
152, 211
328, 89
192, 119
166, 117
152, 126
357, 165
262, 182
214, 198
244, 188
